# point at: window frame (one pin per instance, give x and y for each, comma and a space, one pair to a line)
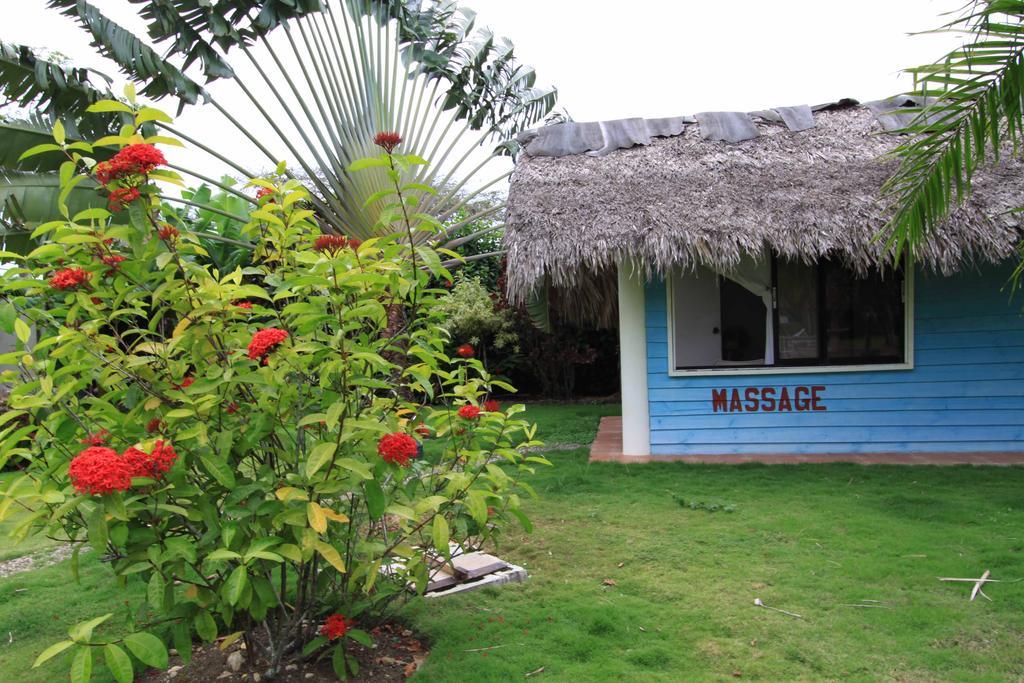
908, 340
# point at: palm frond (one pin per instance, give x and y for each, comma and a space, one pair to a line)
338, 72
31, 81
136, 59
28, 199
975, 95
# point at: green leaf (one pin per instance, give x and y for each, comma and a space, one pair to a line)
182, 636
58, 134
235, 585
315, 515
119, 663
155, 591
150, 650
82, 633
38, 149
206, 626
330, 553
524, 520
81, 665
374, 498
219, 470
363, 164
52, 651
289, 551
223, 554
22, 330
360, 468
318, 457
105, 106
440, 535
361, 637
98, 533
313, 645
95, 213
338, 662
8, 314
150, 114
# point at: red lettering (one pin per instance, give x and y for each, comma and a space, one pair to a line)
816, 399
784, 404
734, 402
751, 395
800, 399
768, 399
718, 401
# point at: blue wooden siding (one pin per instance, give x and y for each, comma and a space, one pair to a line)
965, 392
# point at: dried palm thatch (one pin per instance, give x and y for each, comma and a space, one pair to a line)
683, 200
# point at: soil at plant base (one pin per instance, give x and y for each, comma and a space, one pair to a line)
396, 655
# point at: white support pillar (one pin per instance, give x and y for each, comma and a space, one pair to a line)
636, 423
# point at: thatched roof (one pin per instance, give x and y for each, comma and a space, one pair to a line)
802, 183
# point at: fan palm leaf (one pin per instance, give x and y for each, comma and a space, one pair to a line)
337, 72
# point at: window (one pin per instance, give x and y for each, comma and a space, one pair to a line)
774, 312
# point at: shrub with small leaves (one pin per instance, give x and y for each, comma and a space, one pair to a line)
235, 440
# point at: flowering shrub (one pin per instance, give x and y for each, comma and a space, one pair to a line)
478, 316
240, 460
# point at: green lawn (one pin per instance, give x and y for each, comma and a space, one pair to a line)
808, 539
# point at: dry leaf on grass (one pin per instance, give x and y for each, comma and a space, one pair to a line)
609, 582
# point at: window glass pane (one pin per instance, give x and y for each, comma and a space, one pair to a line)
743, 324
797, 302
863, 314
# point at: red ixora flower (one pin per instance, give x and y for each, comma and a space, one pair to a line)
388, 140
247, 305
96, 438
154, 425
466, 351
138, 159
265, 341
113, 261
492, 406
153, 464
168, 233
398, 448
423, 430
264, 192
121, 197
185, 383
335, 243
232, 408
469, 412
99, 470
335, 626
69, 278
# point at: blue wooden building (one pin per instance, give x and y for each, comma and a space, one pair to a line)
758, 313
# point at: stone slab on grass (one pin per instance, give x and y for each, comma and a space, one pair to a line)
511, 574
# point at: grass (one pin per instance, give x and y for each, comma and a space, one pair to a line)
805, 538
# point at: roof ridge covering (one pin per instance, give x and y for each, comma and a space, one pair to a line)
894, 114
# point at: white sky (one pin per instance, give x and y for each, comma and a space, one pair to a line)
647, 58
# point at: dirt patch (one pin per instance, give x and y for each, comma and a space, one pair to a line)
396, 655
